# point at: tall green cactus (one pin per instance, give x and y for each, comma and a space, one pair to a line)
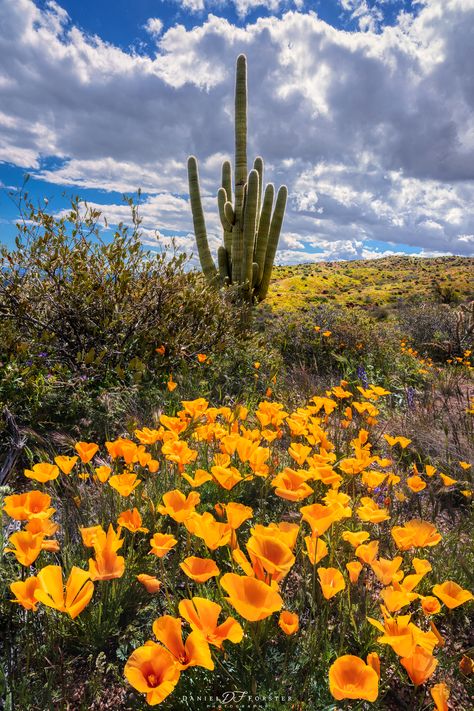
251, 225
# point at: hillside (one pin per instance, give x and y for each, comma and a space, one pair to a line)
373, 283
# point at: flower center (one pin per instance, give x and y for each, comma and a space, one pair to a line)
152, 680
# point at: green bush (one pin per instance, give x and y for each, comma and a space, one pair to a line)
81, 318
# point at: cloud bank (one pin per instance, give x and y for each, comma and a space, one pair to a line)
372, 131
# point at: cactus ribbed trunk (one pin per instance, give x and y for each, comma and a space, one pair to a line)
240, 134
272, 244
207, 263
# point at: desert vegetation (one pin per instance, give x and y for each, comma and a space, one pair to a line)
205, 509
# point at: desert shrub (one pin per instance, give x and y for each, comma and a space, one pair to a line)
334, 340
446, 293
430, 328
82, 317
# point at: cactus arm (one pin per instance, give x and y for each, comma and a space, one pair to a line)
227, 179
240, 133
221, 201
250, 219
229, 213
263, 228
226, 224
273, 237
207, 263
222, 261
258, 166
227, 186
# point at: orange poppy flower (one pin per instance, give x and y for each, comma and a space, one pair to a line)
203, 614
355, 538
153, 671
370, 511
421, 566
227, 477
440, 695
91, 533
386, 569
31, 504
367, 551
415, 533
27, 546
199, 569
147, 435
316, 548
123, 447
299, 452
24, 591
253, 599
354, 568
124, 483
416, 483
42, 472
331, 581
131, 520
395, 597
174, 425
351, 678
372, 479
398, 633
194, 408
430, 605
355, 465
153, 466
103, 472
288, 622
235, 513
149, 582
51, 545
66, 464
452, 594
373, 660
420, 665
161, 544
271, 555
200, 477
213, 533
107, 564
202, 357
447, 480
86, 450
320, 517
41, 525
291, 485
194, 652
178, 506
171, 385
79, 589
175, 450
392, 441
286, 532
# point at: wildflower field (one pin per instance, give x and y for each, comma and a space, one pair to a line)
296, 552
209, 503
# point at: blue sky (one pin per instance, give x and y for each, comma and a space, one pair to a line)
362, 107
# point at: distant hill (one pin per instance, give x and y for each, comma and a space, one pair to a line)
373, 283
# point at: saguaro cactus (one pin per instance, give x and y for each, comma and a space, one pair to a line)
251, 225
